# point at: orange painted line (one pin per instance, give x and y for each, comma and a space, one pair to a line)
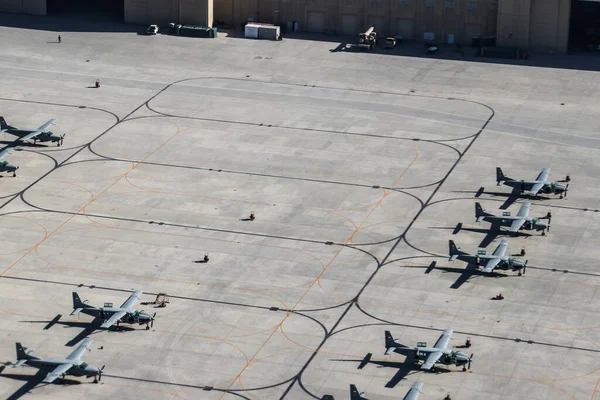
90, 202
386, 193
595, 389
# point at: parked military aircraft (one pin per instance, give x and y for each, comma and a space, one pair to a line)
112, 315
439, 353
42, 134
413, 393
516, 222
489, 262
5, 166
535, 187
72, 365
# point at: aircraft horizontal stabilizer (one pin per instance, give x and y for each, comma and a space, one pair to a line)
19, 363
76, 311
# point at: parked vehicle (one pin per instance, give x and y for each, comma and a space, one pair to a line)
152, 30
367, 40
389, 43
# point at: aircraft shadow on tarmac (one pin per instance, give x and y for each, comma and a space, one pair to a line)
404, 368
31, 381
89, 328
23, 144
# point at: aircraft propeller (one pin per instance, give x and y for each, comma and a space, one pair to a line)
100, 371
62, 138
150, 323
470, 359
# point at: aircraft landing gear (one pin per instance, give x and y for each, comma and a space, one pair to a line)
14, 174
543, 233
464, 369
147, 327
520, 273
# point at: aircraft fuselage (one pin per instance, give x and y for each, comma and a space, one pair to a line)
135, 317
529, 225
49, 364
42, 137
526, 186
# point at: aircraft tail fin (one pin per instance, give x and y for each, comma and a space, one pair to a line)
500, 177
21, 354
3, 124
354, 394
78, 305
389, 340
479, 213
454, 251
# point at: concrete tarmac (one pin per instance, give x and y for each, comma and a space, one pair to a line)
358, 168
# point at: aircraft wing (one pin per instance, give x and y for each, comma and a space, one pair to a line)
543, 176
58, 371
491, 264
78, 352
130, 302
46, 127
42, 129
444, 340
431, 360
524, 210
501, 249
536, 188
113, 319
29, 136
516, 225
414, 392
6, 151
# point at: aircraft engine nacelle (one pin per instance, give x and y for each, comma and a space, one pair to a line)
538, 225
517, 264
